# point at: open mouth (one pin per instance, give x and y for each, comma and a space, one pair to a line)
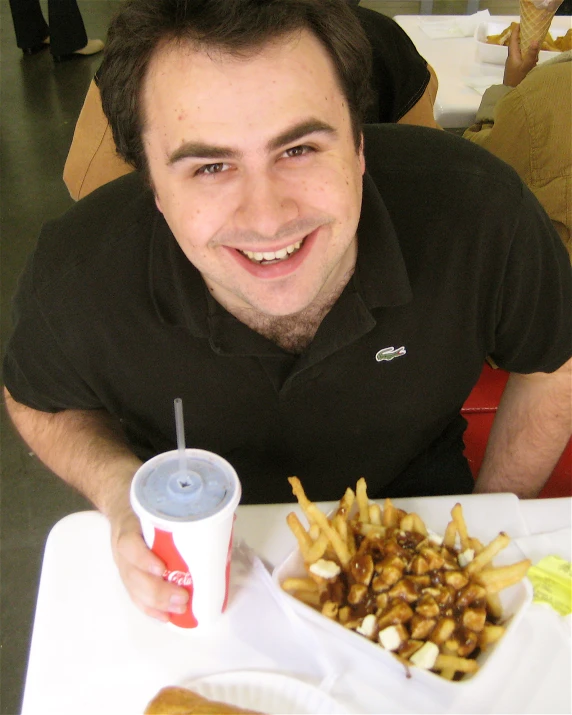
269, 257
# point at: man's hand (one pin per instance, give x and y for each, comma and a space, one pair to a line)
518, 66
88, 450
141, 570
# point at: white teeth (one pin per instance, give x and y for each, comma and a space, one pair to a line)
273, 255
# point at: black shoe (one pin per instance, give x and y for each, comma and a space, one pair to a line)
28, 51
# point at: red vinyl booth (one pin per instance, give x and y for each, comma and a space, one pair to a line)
479, 411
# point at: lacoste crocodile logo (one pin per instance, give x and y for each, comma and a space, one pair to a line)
388, 354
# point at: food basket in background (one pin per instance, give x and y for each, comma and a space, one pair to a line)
497, 54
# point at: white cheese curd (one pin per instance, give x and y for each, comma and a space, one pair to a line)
389, 638
426, 656
325, 569
466, 557
434, 537
368, 625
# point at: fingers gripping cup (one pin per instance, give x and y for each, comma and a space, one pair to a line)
186, 508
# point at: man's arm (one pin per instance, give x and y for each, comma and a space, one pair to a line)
531, 429
86, 448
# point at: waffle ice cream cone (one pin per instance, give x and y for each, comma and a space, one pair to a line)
534, 23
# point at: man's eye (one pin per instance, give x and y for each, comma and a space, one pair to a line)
298, 150
210, 169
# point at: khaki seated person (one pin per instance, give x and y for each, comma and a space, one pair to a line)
527, 122
404, 92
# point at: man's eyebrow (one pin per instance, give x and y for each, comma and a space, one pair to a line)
201, 150
310, 126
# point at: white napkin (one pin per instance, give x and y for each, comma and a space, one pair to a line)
257, 593
461, 26
482, 83
552, 543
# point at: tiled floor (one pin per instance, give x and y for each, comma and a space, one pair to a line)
39, 103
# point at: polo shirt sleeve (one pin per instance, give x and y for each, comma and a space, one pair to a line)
533, 331
400, 74
36, 371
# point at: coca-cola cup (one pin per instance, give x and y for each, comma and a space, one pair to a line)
186, 509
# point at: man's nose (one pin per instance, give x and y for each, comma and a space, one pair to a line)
265, 205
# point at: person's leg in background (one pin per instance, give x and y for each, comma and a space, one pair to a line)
67, 31
30, 27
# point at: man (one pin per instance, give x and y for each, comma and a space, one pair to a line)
315, 319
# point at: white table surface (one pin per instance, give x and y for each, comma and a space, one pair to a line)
453, 60
92, 651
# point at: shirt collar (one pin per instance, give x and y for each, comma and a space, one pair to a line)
380, 275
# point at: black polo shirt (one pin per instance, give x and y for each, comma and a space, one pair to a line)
456, 260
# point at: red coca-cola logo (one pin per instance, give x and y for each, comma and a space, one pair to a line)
177, 571
181, 578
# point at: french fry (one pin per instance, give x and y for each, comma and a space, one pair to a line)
311, 598
501, 577
494, 606
346, 503
375, 514
338, 544
390, 516
459, 519
299, 584
413, 522
488, 553
362, 500
453, 662
314, 531
371, 530
300, 495
450, 535
318, 548
341, 525
330, 609
490, 634
447, 673
302, 536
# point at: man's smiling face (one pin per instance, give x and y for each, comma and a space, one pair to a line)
255, 169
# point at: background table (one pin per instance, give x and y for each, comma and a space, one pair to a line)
93, 652
453, 60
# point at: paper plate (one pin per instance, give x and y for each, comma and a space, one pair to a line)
266, 692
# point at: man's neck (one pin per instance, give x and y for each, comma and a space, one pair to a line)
293, 333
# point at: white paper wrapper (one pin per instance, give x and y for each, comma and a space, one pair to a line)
462, 26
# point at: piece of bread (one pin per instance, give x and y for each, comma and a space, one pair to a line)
173, 700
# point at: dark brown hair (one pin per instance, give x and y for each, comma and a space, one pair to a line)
236, 27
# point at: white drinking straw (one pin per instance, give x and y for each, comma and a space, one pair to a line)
180, 426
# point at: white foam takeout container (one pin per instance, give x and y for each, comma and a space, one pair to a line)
497, 54
514, 600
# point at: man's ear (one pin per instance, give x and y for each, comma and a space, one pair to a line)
361, 155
